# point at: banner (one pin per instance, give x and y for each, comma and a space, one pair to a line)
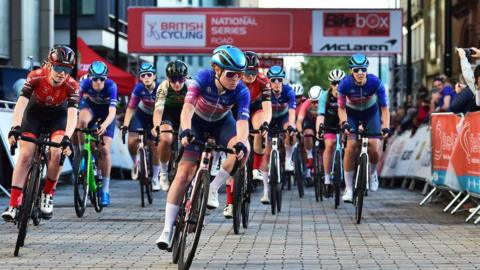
200, 30
393, 155
421, 164
357, 31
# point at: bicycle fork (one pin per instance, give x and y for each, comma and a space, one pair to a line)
277, 157
364, 152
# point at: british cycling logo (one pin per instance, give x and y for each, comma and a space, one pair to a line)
346, 47
174, 30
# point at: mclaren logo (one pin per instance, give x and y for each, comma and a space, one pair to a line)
346, 47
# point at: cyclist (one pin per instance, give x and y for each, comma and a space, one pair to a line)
49, 99
283, 116
139, 115
260, 108
98, 100
211, 95
299, 97
327, 121
306, 120
359, 99
168, 106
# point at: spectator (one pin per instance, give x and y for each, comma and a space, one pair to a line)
464, 101
472, 78
443, 96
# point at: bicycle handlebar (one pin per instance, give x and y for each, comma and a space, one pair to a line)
38, 142
92, 132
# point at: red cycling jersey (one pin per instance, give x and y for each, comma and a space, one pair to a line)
45, 94
299, 106
260, 89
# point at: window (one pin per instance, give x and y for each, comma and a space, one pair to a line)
5, 29
84, 7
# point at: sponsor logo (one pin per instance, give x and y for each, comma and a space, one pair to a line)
179, 30
348, 47
357, 24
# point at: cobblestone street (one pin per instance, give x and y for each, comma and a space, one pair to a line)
395, 234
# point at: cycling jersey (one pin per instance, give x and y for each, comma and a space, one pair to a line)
45, 94
211, 105
260, 89
170, 102
309, 113
107, 96
299, 106
284, 102
328, 107
362, 97
143, 98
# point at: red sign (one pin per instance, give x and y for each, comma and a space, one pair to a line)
466, 155
444, 133
267, 62
200, 30
356, 24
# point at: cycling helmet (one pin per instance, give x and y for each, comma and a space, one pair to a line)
314, 93
298, 89
98, 69
358, 60
336, 75
146, 67
252, 59
62, 55
176, 68
229, 57
276, 72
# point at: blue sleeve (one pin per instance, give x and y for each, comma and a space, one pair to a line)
450, 92
292, 102
460, 103
113, 91
342, 86
243, 102
322, 103
382, 94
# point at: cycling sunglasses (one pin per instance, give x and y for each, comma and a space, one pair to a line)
276, 80
251, 72
334, 83
177, 80
96, 79
60, 69
357, 70
146, 75
233, 74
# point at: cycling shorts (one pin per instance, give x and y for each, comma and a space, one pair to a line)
370, 118
142, 120
36, 117
171, 117
98, 111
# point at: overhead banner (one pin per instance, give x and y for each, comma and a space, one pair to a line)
340, 32
267, 62
200, 30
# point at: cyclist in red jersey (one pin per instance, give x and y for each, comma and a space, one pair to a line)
49, 99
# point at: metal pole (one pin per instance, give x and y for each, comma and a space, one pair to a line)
380, 67
448, 38
409, 82
73, 33
117, 30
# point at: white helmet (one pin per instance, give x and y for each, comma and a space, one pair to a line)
336, 75
314, 93
298, 89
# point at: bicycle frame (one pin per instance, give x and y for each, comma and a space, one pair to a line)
363, 151
275, 148
92, 183
338, 151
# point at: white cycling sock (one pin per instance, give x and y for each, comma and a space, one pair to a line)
164, 167
265, 183
309, 153
106, 184
220, 179
373, 168
288, 153
171, 211
327, 179
349, 179
156, 171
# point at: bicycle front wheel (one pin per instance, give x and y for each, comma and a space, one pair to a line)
361, 186
274, 177
337, 175
246, 202
193, 225
80, 185
142, 175
299, 174
238, 182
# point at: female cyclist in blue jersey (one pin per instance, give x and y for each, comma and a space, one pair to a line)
362, 97
98, 99
207, 109
139, 115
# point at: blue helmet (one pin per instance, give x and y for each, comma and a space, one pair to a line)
229, 57
276, 72
358, 60
98, 69
146, 67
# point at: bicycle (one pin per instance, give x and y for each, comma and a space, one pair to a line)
337, 167
318, 171
276, 171
142, 170
362, 173
195, 204
299, 169
87, 181
30, 207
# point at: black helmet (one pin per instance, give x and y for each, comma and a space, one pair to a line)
62, 55
252, 59
176, 68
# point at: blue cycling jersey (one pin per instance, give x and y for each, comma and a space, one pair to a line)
283, 102
143, 98
362, 97
108, 95
212, 105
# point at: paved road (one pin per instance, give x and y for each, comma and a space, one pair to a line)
396, 234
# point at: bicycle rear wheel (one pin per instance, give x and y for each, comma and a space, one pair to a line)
337, 178
142, 175
29, 196
177, 234
361, 185
238, 184
194, 223
80, 185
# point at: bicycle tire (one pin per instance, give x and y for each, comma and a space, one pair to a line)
279, 198
80, 186
177, 234
337, 178
98, 197
246, 202
200, 202
299, 174
142, 174
274, 182
238, 181
148, 180
31, 191
361, 185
